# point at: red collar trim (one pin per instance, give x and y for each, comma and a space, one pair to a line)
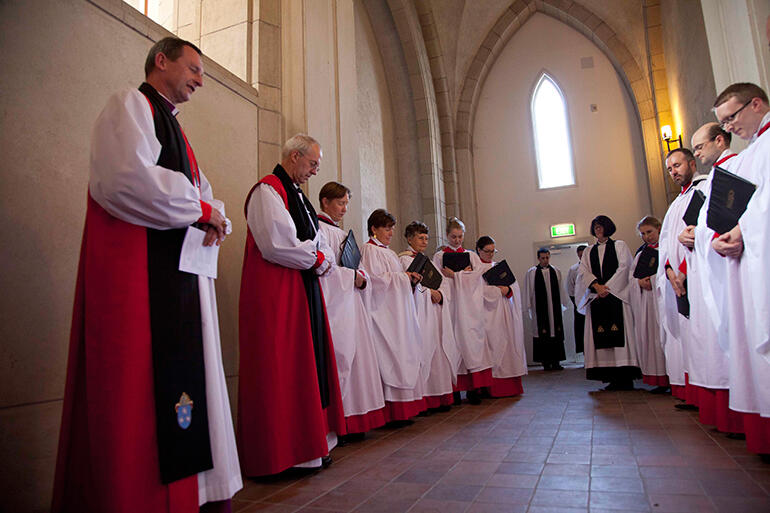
327, 220
686, 187
653, 246
450, 250
763, 129
377, 243
728, 157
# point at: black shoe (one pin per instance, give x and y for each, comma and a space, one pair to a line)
765, 458
326, 462
546, 366
443, 408
457, 399
736, 436
350, 438
660, 390
686, 407
557, 366
473, 397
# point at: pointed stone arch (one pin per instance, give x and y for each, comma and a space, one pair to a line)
604, 37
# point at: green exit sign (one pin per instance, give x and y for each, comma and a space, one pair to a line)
562, 230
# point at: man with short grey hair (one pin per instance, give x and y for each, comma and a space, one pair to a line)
146, 423
289, 402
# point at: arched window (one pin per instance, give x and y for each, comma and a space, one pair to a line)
551, 131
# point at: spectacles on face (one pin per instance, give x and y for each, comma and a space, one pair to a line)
699, 147
313, 163
488, 251
731, 118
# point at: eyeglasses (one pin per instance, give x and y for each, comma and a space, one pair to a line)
313, 163
731, 118
488, 251
698, 147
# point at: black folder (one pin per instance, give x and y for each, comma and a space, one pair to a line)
730, 194
457, 261
690, 216
683, 303
350, 255
647, 265
431, 278
500, 274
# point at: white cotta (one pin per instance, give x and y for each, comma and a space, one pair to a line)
396, 332
572, 278
351, 329
748, 293
504, 326
618, 285
529, 285
674, 327
466, 306
440, 356
652, 359
126, 181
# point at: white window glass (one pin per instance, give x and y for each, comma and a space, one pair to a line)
551, 132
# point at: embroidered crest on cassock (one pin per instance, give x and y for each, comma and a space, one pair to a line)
614, 327
184, 411
600, 329
653, 262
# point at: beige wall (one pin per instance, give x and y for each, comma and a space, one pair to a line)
689, 76
609, 166
60, 61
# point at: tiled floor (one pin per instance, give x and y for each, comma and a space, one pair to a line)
563, 447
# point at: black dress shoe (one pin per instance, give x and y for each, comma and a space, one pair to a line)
326, 461
557, 366
686, 407
457, 399
660, 390
736, 436
473, 397
443, 408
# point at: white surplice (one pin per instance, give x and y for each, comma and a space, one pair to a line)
440, 356
351, 329
572, 278
126, 181
747, 289
652, 359
504, 325
674, 328
618, 285
396, 332
466, 302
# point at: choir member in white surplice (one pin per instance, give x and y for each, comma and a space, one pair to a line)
504, 326
602, 286
669, 280
397, 337
350, 323
545, 302
641, 292
579, 319
710, 365
466, 291
743, 110
440, 356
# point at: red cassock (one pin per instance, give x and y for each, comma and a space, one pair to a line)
108, 456
280, 419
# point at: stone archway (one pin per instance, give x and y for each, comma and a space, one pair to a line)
595, 29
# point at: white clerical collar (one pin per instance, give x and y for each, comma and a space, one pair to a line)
602, 243
377, 242
174, 110
761, 128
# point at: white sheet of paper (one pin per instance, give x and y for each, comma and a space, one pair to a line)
197, 258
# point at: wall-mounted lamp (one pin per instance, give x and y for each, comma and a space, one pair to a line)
665, 133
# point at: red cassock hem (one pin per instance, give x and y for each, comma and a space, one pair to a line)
396, 410
506, 387
757, 431
714, 410
655, 381
366, 421
474, 380
678, 391
690, 391
436, 401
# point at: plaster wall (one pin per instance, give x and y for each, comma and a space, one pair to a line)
606, 144
690, 79
61, 60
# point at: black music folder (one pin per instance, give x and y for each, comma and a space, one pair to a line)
431, 278
690, 216
730, 194
350, 255
683, 303
647, 265
500, 274
457, 261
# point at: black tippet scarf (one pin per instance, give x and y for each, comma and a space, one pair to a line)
606, 312
306, 221
541, 305
175, 324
